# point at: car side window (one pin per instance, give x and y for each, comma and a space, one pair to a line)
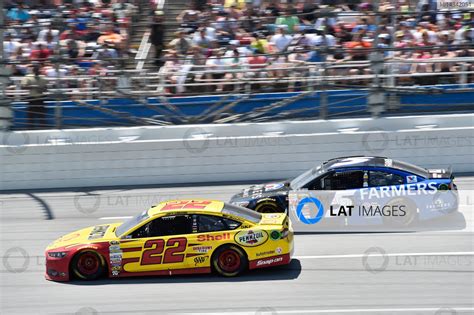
211, 223
343, 180
382, 178
164, 226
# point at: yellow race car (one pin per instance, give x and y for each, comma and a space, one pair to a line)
174, 237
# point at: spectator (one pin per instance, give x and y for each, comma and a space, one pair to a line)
19, 13
181, 44
217, 67
111, 37
10, 46
236, 64
281, 40
40, 53
289, 21
36, 86
157, 36
201, 39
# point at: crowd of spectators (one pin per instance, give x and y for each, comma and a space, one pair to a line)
221, 41
68, 42
67, 39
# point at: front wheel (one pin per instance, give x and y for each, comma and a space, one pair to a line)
229, 261
88, 265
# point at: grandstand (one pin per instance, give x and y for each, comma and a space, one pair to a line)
145, 53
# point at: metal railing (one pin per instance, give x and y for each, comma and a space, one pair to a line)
191, 80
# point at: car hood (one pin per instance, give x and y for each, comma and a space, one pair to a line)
88, 235
263, 190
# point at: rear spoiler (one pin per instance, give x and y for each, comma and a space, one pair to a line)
441, 173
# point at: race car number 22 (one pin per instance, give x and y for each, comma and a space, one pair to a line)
174, 253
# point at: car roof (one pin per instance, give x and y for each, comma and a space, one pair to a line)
374, 161
187, 205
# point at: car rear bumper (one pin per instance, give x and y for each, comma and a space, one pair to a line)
278, 260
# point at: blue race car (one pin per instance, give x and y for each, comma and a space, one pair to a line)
364, 173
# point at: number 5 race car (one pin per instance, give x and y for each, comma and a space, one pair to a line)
174, 237
366, 174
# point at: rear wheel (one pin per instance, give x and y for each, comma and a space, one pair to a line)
88, 265
409, 219
229, 260
268, 207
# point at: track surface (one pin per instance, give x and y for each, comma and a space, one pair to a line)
330, 275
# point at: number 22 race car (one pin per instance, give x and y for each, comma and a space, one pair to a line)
174, 237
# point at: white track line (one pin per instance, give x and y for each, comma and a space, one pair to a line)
270, 311
115, 218
374, 254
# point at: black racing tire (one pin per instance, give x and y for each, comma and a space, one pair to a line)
408, 220
268, 206
229, 260
88, 265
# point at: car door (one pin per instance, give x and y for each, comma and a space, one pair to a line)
159, 244
210, 231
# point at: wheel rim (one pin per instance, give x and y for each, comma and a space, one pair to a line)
88, 264
229, 261
266, 209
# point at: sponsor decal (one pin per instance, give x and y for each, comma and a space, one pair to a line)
273, 186
411, 179
116, 268
278, 250
201, 249
219, 237
115, 273
117, 255
251, 238
269, 261
116, 261
397, 191
98, 232
275, 235
114, 242
200, 260
114, 248
267, 253
272, 216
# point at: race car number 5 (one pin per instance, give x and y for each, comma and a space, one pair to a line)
153, 250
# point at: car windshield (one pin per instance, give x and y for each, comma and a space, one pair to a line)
242, 212
306, 177
127, 225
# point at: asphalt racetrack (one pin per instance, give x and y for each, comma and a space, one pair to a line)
353, 273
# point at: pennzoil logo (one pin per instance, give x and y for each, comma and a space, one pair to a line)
251, 238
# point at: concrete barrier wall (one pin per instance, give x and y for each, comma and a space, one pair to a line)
213, 153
